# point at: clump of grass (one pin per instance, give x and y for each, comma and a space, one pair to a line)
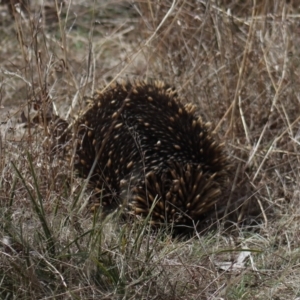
238, 62
66, 255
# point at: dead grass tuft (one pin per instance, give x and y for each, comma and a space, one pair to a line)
238, 61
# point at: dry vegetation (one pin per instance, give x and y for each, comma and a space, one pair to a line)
238, 62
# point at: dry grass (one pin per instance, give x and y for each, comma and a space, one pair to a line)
238, 62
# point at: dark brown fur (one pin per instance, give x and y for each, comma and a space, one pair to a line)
144, 149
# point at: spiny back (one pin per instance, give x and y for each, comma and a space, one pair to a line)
146, 142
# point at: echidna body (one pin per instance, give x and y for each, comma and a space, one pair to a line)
148, 151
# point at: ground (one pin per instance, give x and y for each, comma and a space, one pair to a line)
238, 63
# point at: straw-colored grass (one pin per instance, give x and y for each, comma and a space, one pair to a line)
238, 61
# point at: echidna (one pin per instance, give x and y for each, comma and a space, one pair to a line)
145, 150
